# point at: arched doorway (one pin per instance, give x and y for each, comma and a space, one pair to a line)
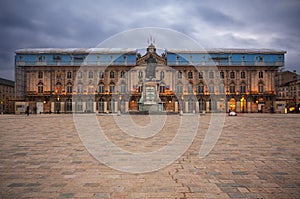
232, 104
243, 104
101, 105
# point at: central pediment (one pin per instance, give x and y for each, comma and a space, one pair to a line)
151, 53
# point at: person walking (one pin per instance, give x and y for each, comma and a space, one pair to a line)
27, 110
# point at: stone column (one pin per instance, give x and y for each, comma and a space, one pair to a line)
186, 107
249, 107
207, 106
176, 106
105, 107
52, 107
83, 106
95, 107
116, 107
73, 107
197, 107
238, 106
126, 107
62, 107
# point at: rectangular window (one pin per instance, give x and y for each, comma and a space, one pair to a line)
260, 75
40, 89
211, 88
69, 75
112, 88
232, 89
243, 89
260, 88
221, 88
69, 89
40, 74
101, 89
200, 75
232, 75
211, 74
243, 75
200, 89
179, 88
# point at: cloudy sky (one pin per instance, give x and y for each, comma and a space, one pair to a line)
85, 23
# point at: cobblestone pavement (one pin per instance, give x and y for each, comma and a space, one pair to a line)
256, 156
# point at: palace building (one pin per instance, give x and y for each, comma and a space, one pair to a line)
112, 80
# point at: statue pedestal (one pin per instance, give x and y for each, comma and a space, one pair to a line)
150, 101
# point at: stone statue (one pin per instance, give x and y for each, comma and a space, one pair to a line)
151, 68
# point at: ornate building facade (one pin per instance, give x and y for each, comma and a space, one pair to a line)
111, 80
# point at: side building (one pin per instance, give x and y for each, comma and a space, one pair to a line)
7, 92
288, 92
111, 80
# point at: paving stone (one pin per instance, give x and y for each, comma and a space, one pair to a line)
256, 156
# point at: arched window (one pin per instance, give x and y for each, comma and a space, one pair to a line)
101, 88
243, 88
40, 87
190, 88
112, 74
179, 74
123, 88
190, 75
40, 74
162, 74
69, 105
222, 75
221, 88
261, 87
58, 87
232, 88
122, 74
200, 88
232, 75
101, 105
162, 88
91, 74
200, 75
101, 74
243, 75
140, 74
79, 88
69, 74
179, 88
79, 75
69, 87
111, 87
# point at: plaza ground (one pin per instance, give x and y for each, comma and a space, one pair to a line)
256, 156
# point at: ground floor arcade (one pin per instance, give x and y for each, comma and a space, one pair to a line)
130, 103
